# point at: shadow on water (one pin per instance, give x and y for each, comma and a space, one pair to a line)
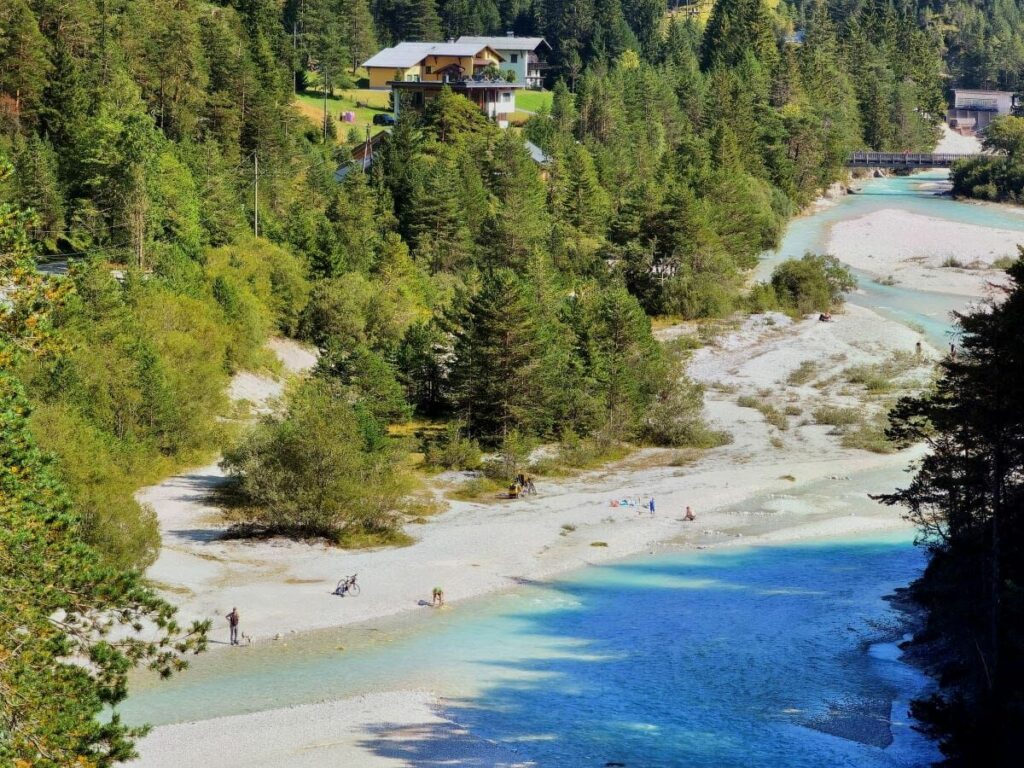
754, 658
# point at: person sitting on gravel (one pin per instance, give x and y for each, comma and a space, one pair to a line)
690, 517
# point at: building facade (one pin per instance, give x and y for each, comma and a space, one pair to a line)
496, 98
973, 110
526, 56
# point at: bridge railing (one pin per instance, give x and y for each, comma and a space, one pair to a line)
906, 159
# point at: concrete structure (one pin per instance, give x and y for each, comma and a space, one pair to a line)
495, 97
429, 62
973, 110
526, 56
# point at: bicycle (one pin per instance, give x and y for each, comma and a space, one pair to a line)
347, 586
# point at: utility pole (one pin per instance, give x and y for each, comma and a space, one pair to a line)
325, 103
368, 152
256, 196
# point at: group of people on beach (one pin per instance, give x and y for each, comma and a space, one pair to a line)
648, 506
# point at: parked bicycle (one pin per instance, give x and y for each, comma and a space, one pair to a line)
347, 586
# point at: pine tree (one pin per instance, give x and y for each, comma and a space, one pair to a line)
578, 198
735, 28
24, 67
520, 223
417, 20
47, 572
352, 214
438, 231
495, 373
645, 17
358, 32
967, 501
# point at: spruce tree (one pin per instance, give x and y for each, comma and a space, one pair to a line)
520, 223
735, 28
418, 20
359, 36
438, 231
496, 369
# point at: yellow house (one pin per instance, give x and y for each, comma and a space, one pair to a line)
430, 62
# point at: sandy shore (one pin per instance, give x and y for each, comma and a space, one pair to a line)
369, 731
928, 253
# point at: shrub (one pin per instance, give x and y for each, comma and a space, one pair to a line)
453, 449
676, 418
512, 456
869, 436
804, 373
836, 416
316, 470
811, 284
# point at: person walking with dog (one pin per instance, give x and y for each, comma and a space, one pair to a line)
233, 625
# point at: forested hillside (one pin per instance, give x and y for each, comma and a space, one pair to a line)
984, 41
457, 281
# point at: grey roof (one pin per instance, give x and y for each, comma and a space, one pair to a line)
409, 54
345, 169
506, 43
539, 155
402, 55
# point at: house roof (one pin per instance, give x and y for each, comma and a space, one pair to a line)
983, 92
506, 43
410, 54
401, 56
539, 155
343, 170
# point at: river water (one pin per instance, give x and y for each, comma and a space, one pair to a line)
782, 655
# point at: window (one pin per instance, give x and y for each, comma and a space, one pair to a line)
506, 97
515, 58
430, 70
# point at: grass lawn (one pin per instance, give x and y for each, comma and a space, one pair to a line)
531, 101
365, 103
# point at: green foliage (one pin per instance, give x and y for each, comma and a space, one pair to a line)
453, 450
811, 284
61, 603
999, 177
837, 416
496, 377
320, 469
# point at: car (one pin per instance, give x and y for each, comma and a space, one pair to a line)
384, 118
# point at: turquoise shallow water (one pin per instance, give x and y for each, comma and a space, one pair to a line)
925, 310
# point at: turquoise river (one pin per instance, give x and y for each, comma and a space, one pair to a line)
769, 656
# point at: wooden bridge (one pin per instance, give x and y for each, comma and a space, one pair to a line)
904, 159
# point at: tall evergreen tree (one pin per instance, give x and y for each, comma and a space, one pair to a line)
495, 374
735, 28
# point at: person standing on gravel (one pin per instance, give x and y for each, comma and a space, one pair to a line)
233, 625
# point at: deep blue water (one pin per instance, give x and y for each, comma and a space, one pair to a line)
716, 660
